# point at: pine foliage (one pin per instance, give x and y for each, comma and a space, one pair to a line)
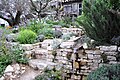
101, 19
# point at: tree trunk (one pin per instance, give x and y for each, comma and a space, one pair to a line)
39, 16
17, 18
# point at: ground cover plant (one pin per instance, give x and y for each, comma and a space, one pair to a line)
50, 75
106, 73
47, 32
10, 54
14, 55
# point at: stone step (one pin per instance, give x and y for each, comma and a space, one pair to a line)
41, 64
41, 53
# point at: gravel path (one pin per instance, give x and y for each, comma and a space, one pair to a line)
29, 74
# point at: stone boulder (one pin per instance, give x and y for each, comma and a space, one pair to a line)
67, 45
40, 38
108, 48
11, 37
41, 64
27, 47
40, 53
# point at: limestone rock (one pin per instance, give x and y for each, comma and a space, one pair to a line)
97, 57
41, 64
85, 46
108, 48
46, 43
2, 78
41, 53
112, 62
10, 44
37, 64
36, 45
27, 47
11, 37
67, 45
28, 54
90, 56
16, 67
40, 38
89, 51
110, 53
119, 49
97, 52
49, 48
8, 69
74, 39
111, 58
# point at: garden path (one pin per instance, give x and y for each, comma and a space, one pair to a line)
29, 74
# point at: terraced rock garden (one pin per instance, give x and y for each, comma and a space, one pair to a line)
59, 50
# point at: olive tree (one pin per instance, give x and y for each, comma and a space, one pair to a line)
39, 7
11, 10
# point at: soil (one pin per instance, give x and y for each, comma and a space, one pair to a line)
29, 74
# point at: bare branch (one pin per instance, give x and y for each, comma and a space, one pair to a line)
34, 6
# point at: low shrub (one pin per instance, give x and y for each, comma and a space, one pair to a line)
15, 55
50, 75
56, 44
26, 37
66, 37
5, 60
9, 54
106, 73
63, 23
35, 26
47, 32
40, 38
57, 34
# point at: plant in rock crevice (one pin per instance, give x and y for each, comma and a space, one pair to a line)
104, 58
50, 75
55, 46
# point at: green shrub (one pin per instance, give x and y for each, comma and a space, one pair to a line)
40, 38
5, 60
64, 23
106, 73
50, 75
101, 20
65, 37
35, 26
57, 34
26, 37
55, 44
21, 28
104, 58
47, 32
15, 55
52, 22
9, 54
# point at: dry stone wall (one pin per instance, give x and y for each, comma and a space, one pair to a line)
76, 61
84, 61
71, 55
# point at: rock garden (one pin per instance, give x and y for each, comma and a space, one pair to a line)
56, 50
